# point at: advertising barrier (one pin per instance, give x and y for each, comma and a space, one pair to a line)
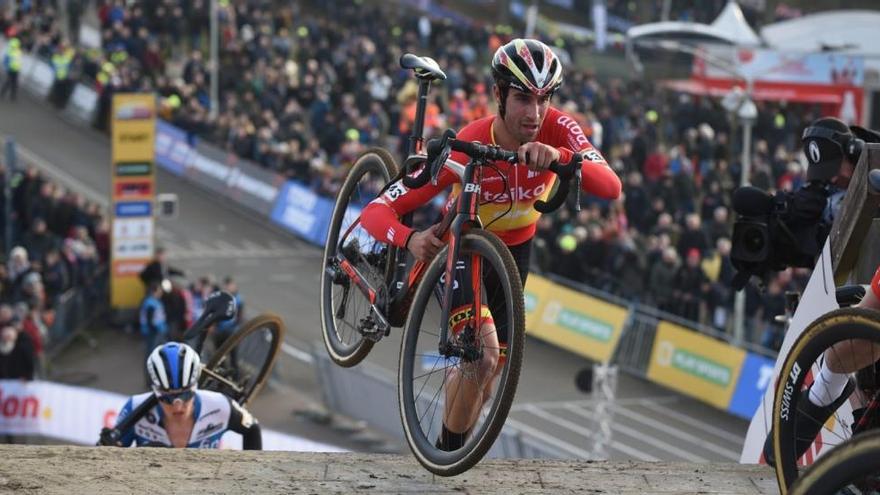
694, 364
582, 324
77, 414
246, 183
754, 378
303, 212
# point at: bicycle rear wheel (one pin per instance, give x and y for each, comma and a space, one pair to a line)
345, 312
245, 359
796, 421
425, 376
852, 468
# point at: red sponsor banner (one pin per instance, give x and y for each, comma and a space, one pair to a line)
127, 268
132, 188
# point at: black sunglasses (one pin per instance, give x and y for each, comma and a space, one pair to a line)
171, 397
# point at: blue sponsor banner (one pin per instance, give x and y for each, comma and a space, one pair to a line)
306, 214
303, 212
134, 209
756, 375
173, 148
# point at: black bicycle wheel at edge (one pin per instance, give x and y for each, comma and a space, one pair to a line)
418, 392
852, 468
246, 358
837, 326
343, 306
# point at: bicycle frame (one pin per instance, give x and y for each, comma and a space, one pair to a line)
392, 308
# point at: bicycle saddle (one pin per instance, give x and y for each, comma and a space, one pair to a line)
849, 295
424, 67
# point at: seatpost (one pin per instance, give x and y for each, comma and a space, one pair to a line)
415, 140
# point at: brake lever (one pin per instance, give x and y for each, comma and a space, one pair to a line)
438, 163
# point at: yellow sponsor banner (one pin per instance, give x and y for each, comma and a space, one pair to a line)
535, 295
574, 321
694, 364
132, 172
134, 128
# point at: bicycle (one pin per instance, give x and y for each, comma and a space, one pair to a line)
371, 284
849, 469
257, 343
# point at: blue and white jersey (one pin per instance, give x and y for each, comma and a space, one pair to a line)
214, 414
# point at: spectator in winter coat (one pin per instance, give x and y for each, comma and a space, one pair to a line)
17, 359
662, 278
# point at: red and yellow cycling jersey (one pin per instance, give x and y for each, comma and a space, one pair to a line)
381, 218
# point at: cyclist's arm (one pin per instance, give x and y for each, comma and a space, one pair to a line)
597, 178
126, 437
243, 423
381, 218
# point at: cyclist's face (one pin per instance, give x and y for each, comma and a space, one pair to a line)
524, 113
178, 409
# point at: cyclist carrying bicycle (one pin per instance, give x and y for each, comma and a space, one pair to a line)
526, 75
185, 416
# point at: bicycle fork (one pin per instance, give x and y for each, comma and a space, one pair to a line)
465, 216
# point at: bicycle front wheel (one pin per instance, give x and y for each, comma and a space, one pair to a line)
245, 359
853, 336
433, 386
345, 312
853, 468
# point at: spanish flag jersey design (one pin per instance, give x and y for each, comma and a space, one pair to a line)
381, 218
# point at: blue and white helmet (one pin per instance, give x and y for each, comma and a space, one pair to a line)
173, 366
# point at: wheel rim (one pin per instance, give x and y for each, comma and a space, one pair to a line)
247, 360
366, 254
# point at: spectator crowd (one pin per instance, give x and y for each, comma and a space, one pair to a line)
59, 241
304, 87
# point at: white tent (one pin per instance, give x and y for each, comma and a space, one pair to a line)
841, 31
729, 28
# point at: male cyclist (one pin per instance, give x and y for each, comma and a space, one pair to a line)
526, 74
185, 416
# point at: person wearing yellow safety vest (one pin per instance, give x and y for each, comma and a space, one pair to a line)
62, 60
12, 66
105, 74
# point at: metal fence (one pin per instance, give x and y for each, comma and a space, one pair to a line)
76, 308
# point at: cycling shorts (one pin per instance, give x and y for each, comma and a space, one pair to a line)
492, 307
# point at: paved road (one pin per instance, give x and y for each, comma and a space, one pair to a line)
279, 272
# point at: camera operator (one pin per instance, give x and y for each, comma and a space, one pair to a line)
832, 150
789, 229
